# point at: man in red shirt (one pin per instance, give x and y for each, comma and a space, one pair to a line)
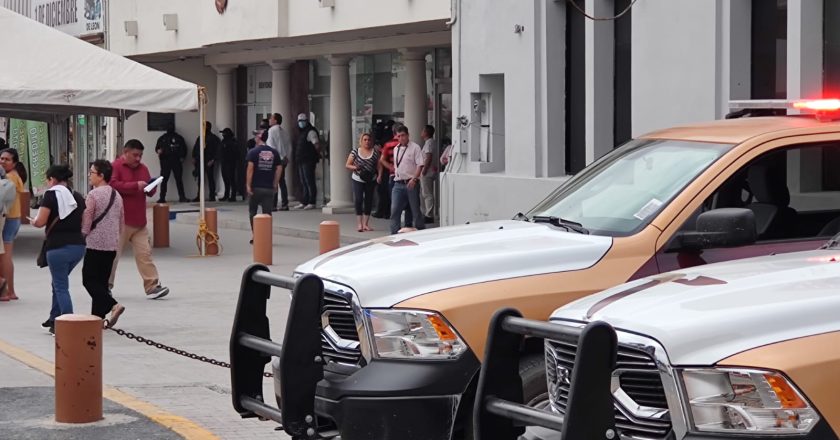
129, 178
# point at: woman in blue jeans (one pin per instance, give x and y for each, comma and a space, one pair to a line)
61, 212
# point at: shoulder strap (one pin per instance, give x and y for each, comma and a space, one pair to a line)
50, 227
105, 212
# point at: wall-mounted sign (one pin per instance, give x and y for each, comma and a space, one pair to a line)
221, 5
74, 17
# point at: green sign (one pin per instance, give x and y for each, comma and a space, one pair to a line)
18, 141
39, 155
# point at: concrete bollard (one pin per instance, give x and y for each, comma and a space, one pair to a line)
78, 368
160, 225
263, 239
329, 236
25, 200
211, 218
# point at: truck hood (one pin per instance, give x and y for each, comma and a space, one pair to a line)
705, 314
392, 269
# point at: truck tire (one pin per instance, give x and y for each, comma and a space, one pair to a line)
534, 386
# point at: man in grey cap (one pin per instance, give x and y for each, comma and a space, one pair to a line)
307, 154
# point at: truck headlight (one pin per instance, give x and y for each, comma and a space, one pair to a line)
746, 401
412, 334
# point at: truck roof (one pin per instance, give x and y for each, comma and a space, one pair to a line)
736, 131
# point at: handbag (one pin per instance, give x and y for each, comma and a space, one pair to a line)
41, 260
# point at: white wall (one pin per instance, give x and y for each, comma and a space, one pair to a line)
186, 124
674, 63
198, 24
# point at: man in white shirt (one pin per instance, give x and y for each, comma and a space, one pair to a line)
280, 141
427, 181
408, 167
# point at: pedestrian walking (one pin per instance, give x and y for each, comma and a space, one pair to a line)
363, 161
230, 162
427, 180
280, 141
262, 178
408, 166
102, 226
307, 154
211, 151
64, 246
171, 150
16, 173
129, 177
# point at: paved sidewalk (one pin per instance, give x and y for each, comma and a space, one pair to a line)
196, 316
300, 224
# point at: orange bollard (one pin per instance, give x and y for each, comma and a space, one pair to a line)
211, 218
160, 225
25, 200
78, 368
329, 236
263, 239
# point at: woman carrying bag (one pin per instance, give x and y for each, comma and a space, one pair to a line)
61, 212
102, 224
363, 161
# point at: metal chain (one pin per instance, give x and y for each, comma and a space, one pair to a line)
177, 351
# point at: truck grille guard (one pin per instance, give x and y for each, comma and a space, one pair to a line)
499, 411
251, 349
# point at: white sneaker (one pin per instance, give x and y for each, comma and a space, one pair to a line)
299, 206
308, 207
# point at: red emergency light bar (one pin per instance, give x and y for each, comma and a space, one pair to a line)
820, 105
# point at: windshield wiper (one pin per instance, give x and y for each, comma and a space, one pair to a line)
831, 244
563, 223
521, 217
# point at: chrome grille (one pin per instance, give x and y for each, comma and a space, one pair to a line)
340, 318
639, 379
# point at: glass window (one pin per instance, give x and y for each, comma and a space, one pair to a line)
623, 191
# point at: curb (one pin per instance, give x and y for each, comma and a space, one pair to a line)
192, 219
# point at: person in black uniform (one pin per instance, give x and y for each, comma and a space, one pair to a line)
230, 162
171, 150
211, 151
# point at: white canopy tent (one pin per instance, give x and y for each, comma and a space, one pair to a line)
52, 73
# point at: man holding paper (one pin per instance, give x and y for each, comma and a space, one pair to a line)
130, 178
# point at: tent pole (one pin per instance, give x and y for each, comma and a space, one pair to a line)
202, 111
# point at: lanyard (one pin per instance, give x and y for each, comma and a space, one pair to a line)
398, 157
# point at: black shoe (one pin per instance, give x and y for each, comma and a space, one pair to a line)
212, 199
48, 323
429, 219
284, 208
183, 200
194, 200
232, 199
161, 201
224, 199
51, 330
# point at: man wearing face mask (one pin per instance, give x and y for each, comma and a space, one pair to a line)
307, 154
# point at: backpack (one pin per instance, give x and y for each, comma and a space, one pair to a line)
8, 194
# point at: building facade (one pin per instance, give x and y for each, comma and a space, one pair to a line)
351, 65
541, 90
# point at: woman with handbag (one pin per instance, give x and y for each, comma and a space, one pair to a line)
363, 161
64, 246
102, 224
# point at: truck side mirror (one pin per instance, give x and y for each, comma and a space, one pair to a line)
724, 227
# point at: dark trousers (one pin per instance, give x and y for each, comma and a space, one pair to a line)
307, 181
401, 197
229, 178
363, 197
96, 270
383, 191
172, 167
210, 176
262, 198
284, 191
409, 217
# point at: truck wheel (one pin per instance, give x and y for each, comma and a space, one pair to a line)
534, 386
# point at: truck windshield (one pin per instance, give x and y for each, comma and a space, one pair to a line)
623, 191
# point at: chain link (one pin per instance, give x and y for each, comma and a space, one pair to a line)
177, 351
